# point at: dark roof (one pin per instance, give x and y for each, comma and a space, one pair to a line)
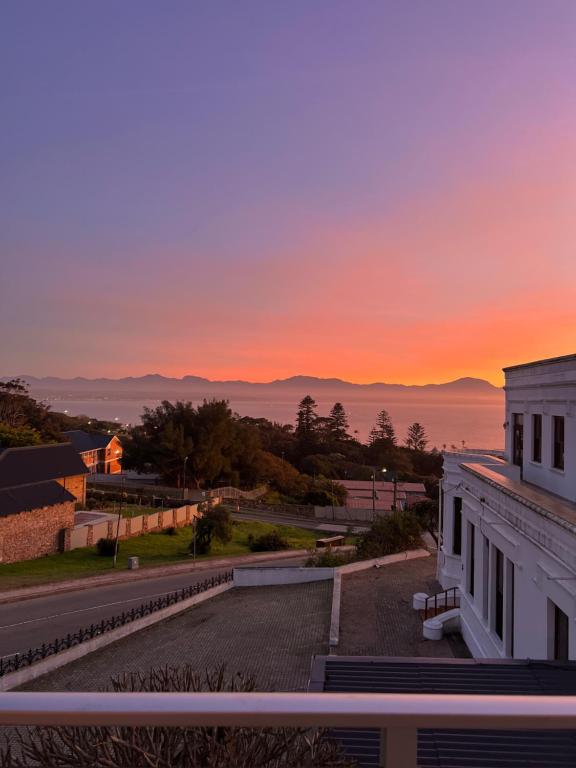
87, 441
38, 463
33, 496
455, 748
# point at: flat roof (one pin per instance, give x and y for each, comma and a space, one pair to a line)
461, 747
543, 502
546, 361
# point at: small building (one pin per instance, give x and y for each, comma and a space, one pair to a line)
381, 494
102, 454
508, 523
39, 488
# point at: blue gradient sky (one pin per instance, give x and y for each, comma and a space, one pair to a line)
372, 190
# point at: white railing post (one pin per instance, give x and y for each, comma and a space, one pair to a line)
398, 748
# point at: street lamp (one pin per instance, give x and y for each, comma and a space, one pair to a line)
394, 479
184, 478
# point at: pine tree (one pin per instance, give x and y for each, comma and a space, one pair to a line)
306, 427
416, 438
383, 429
306, 417
338, 422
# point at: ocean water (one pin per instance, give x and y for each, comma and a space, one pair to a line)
469, 422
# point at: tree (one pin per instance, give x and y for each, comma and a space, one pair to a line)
14, 437
397, 532
416, 438
383, 430
306, 421
338, 423
426, 512
215, 523
214, 442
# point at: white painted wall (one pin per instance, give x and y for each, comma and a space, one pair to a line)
260, 577
548, 388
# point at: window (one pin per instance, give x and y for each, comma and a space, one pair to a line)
537, 437
471, 558
558, 442
499, 593
510, 601
485, 575
517, 438
457, 527
561, 635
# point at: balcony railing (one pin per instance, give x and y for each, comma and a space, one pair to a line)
397, 715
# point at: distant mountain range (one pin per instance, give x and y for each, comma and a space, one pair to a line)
156, 385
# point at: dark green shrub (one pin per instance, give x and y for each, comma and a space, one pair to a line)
329, 559
268, 542
170, 531
202, 540
396, 532
106, 547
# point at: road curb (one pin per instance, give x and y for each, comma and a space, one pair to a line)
57, 587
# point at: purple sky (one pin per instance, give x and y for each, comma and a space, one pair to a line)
258, 189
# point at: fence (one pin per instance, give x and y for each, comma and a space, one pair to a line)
20, 660
87, 534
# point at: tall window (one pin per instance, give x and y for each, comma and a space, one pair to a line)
485, 575
561, 635
471, 558
499, 593
517, 438
558, 442
537, 437
457, 527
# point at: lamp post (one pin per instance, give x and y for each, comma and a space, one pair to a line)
184, 478
394, 479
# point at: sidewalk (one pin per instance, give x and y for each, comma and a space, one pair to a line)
51, 588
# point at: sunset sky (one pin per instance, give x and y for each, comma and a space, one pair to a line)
375, 190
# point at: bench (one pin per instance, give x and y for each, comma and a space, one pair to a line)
329, 542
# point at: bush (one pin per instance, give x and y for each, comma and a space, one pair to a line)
329, 559
268, 542
387, 535
170, 531
107, 547
141, 747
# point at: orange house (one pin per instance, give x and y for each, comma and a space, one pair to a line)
100, 453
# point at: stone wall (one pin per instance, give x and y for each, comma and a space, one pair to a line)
38, 532
87, 535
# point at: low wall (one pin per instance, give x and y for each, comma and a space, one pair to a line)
261, 577
128, 527
362, 565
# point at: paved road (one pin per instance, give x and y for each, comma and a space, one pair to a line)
309, 523
33, 622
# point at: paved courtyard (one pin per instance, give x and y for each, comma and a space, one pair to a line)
268, 632
377, 618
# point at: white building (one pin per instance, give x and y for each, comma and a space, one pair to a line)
508, 522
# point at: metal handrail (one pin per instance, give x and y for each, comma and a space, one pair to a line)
451, 600
384, 710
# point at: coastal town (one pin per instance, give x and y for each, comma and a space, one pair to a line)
288, 384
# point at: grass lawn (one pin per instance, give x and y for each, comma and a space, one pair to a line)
153, 549
128, 510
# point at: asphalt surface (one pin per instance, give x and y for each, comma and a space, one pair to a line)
30, 623
321, 526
